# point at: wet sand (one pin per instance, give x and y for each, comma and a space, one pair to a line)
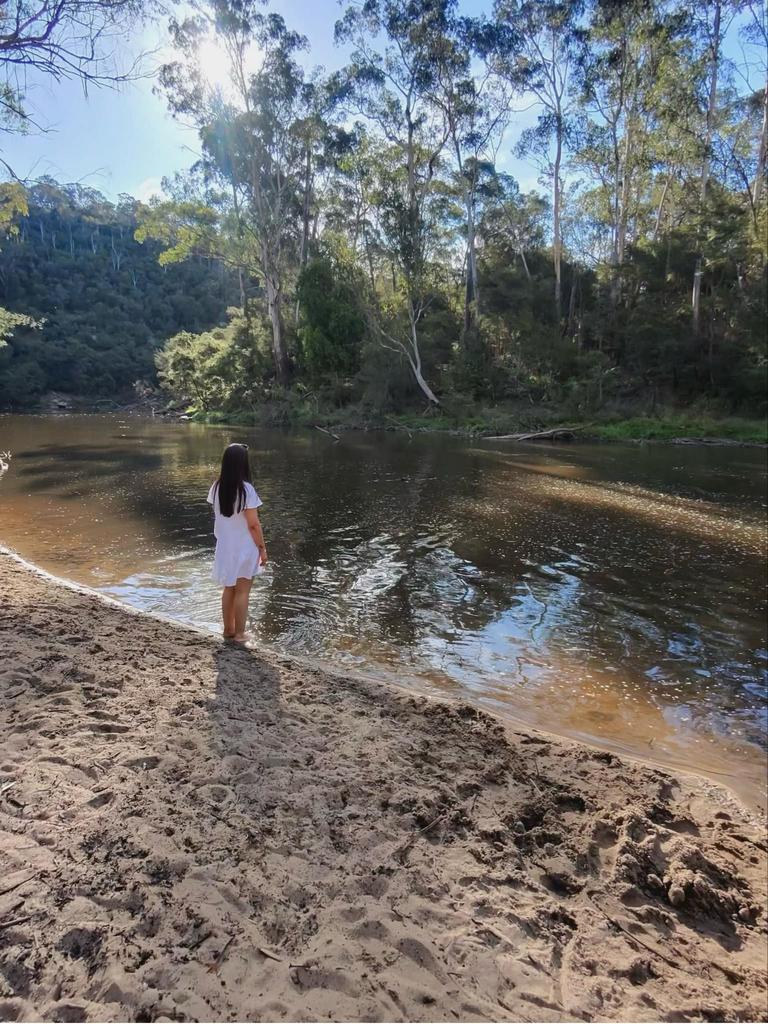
191, 831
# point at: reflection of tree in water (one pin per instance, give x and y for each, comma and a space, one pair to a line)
353, 510
372, 561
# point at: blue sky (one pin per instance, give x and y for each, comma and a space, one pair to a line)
125, 141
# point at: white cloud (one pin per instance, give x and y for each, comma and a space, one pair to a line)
148, 188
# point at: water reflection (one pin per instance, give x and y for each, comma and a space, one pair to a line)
606, 591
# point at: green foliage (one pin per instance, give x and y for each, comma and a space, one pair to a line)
669, 427
218, 369
9, 322
13, 204
101, 301
332, 322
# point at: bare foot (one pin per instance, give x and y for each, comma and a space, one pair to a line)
239, 638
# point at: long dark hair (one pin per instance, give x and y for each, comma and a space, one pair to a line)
235, 471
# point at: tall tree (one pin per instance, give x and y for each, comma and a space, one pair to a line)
472, 104
710, 20
539, 57
392, 89
629, 53
254, 141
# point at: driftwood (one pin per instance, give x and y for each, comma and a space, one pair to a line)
722, 442
330, 433
553, 434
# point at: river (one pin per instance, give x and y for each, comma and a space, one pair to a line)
613, 593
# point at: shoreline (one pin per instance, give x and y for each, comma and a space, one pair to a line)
580, 431
752, 796
191, 831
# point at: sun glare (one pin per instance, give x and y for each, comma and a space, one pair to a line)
214, 63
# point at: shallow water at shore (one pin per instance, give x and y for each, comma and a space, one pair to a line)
611, 593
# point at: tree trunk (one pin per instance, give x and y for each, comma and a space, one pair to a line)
571, 306
525, 264
414, 358
713, 72
471, 293
278, 343
621, 240
660, 211
762, 153
621, 208
369, 258
557, 239
305, 219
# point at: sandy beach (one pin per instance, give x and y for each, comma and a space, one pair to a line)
192, 831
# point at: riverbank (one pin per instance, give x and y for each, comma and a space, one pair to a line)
494, 423
191, 831
666, 427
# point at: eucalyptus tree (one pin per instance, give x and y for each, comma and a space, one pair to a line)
539, 53
13, 205
393, 89
254, 139
473, 105
350, 201
637, 83
755, 33
711, 25
324, 145
514, 219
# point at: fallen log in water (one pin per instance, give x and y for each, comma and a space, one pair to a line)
553, 434
722, 442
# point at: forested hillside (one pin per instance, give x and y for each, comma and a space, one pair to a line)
102, 301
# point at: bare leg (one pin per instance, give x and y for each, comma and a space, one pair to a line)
242, 593
228, 610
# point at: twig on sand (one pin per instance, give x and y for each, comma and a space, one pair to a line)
15, 921
201, 938
13, 881
631, 935
220, 958
429, 826
13, 907
273, 956
404, 847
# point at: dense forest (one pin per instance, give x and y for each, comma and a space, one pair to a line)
100, 302
349, 241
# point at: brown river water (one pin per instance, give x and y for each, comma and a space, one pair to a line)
611, 593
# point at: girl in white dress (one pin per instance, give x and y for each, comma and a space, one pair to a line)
240, 550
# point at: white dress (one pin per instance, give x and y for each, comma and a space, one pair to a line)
237, 557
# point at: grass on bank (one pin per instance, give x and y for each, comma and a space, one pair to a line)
492, 421
670, 427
